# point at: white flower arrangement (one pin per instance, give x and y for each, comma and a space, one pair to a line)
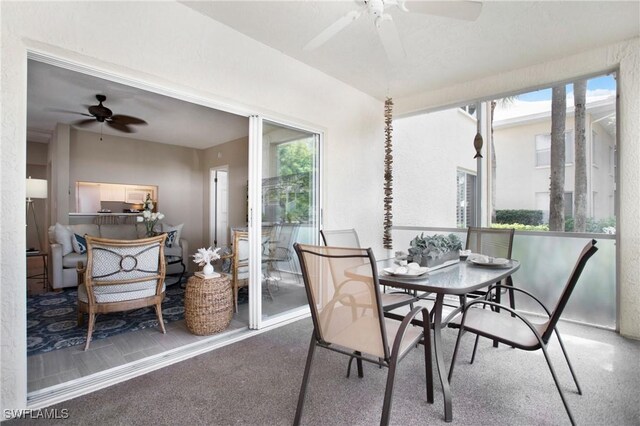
206, 255
150, 220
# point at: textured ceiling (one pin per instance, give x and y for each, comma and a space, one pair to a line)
52, 90
439, 51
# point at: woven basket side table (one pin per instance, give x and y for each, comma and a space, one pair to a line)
208, 304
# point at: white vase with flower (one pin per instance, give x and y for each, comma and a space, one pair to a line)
203, 258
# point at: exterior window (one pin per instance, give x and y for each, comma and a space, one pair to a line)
466, 199
543, 149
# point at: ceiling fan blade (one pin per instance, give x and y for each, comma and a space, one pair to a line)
126, 119
465, 10
391, 41
333, 29
120, 126
84, 122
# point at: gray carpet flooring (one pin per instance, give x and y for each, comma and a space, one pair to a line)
256, 382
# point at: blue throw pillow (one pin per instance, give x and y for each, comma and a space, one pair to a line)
171, 237
79, 244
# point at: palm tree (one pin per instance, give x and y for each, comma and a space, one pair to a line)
556, 186
580, 190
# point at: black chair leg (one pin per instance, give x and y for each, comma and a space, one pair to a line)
475, 347
555, 379
566, 356
388, 393
305, 380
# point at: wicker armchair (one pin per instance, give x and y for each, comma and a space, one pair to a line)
121, 275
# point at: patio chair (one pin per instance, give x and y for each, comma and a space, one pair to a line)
518, 331
491, 242
281, 248
347, 316
349, 238
240, 263
121, 275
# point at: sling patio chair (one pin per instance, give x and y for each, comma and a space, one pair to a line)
514, 329
121, 275
346, 322
349, 238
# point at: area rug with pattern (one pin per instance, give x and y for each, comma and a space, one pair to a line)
52, 319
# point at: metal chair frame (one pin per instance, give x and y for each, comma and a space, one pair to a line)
542, 338
390, 359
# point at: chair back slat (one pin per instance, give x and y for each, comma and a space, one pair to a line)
490, 241
344, 297
588, 251
340, 238
114, 266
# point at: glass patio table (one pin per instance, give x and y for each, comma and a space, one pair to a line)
457, 279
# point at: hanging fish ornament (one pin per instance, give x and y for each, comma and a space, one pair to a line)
477, 144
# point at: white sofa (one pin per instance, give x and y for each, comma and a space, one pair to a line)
62, 268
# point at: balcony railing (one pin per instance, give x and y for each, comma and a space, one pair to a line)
547, 259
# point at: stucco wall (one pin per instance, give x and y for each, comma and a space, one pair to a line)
167, 45
626, 57
519, 179
428, 151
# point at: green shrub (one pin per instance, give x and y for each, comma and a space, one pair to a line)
525, 217
593, 225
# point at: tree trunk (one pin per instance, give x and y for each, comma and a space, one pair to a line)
580, 191
556, 187
493, 167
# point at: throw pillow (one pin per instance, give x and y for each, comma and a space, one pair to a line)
63, 237
79, 244
171, 238
178, 228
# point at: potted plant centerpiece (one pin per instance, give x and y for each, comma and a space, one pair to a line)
435, 250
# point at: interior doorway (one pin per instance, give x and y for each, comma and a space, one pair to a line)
219, 209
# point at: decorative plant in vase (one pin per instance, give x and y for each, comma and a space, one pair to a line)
204, 257
434, 250
150, 220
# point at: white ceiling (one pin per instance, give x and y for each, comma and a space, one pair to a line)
51, 90
439, 51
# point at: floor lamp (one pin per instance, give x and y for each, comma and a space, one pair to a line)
36, 189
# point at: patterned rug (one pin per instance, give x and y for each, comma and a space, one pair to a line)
52, 319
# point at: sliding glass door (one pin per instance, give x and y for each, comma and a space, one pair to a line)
284, 206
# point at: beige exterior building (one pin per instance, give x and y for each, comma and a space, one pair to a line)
522, 156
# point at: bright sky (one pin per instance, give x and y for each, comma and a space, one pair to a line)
599, 86
598, 89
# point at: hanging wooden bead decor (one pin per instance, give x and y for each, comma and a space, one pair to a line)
387, 241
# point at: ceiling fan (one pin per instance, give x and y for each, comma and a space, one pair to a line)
101, 114
377, 10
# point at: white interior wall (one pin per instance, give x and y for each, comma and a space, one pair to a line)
624, 56
169, 46
175, 170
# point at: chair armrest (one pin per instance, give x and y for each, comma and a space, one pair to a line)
510, 287
426, 328
498, 305
55, 265
184, 244
80, 269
